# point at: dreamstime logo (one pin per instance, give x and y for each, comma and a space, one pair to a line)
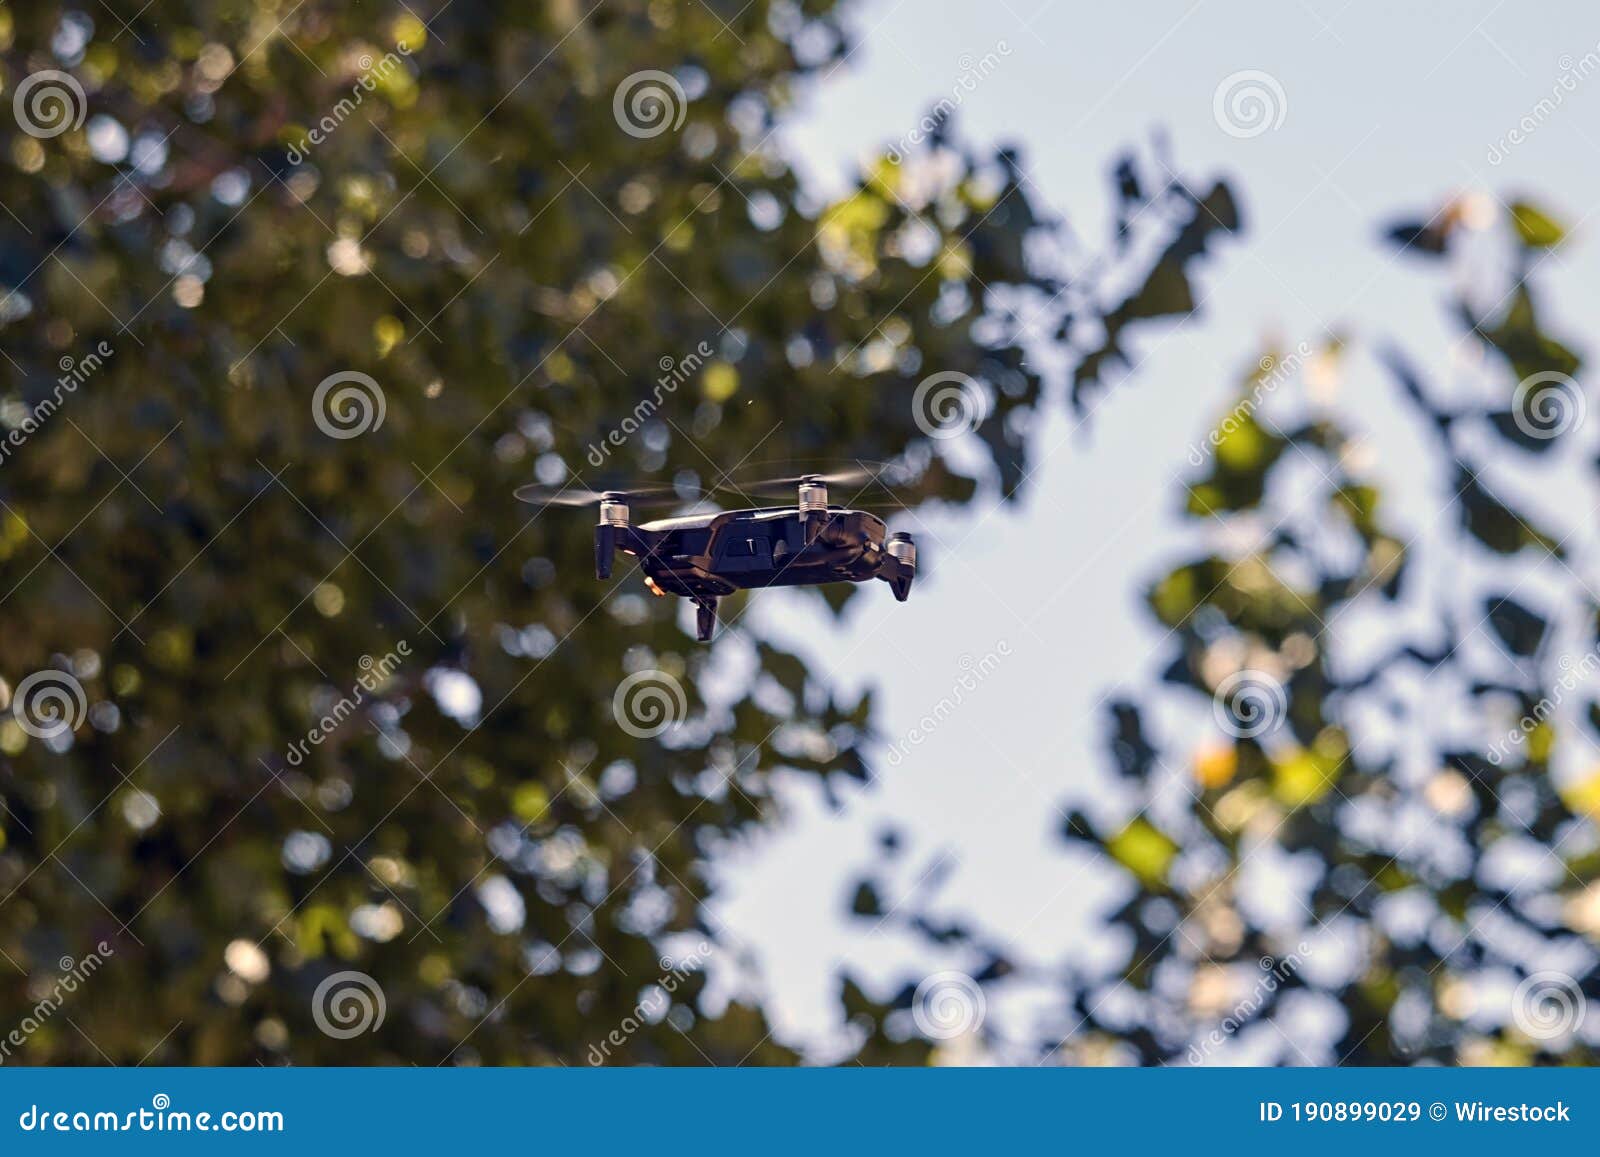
947, 1005
646, 703
1547, 1005
1249, 103
973, 672
348, 404
948, 404
973, 73
648, 103
155, 1119
1274, 973
367, 82
48, 703
674, 372
1274, 372
347, 1004
374, 674
1249, 703
1573, 673
49, 103
27, 421
654, 1004
1572, 72
1547, 405
73, 974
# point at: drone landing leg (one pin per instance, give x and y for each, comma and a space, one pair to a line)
705, 620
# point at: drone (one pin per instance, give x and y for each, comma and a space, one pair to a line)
706, 556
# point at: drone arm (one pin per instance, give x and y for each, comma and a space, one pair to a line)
608, 537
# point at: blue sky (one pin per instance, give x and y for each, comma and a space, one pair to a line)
1385, 111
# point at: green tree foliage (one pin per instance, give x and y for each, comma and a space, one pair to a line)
1386, 714
249, 198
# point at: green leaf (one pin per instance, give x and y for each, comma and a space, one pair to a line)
1144, 850
1538, 229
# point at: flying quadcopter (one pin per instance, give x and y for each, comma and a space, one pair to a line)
705, 556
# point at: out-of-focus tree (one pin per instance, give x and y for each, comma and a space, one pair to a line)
1365, 830
292, 296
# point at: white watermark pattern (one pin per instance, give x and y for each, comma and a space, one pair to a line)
1249, 703
48, 103
1547, 1005
973, 672
73, 974
348, 404
347, 1004
367, 82
647, 703
1249, 103
1273, 974
648, 103
49, 703
1547, 405
948, 404
74, 372
1572, 72
973, 73
1274, 372
947, 1005
1573, 673
374, 674
653, 1005
674, 372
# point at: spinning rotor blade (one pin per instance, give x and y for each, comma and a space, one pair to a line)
570, 495
850, 480
856, 481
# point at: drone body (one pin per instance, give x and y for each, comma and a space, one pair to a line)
704, 557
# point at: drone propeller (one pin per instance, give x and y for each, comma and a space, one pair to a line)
664, 494
857, 480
